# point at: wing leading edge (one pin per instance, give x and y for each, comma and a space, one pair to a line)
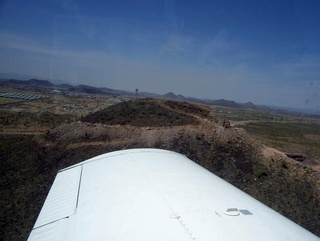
151, 194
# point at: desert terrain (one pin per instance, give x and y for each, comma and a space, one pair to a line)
40, 137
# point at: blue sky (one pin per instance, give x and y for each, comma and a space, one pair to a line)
267, 52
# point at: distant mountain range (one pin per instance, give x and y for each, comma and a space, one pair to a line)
30, 82
220, 102
94, 90
170, 95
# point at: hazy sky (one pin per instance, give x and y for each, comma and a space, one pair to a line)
267, 52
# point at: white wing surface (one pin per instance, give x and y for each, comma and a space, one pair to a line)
151, 194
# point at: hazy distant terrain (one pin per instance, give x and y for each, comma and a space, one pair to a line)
36, 85
40, 137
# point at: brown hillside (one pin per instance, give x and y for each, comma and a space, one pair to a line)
29, 164
148, 112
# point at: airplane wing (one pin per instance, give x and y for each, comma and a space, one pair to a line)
152, 194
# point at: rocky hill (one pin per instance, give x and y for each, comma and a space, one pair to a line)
148, 112
30, 163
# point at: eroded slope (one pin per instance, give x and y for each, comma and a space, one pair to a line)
29, 164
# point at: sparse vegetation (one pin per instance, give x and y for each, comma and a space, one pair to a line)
284, 164
288, 137
31, 121
144, 112
30, 163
